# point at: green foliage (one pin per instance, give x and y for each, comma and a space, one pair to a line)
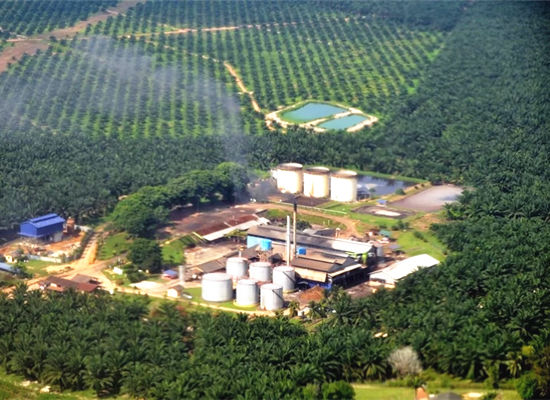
146, 255
339, 390
526, 386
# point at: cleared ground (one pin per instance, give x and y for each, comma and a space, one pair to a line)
432, 199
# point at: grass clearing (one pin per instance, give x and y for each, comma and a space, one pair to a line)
420, 243
383, 391
38, 268
114, 245
173, 252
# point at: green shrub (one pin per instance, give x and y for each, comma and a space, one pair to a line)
339, 390
526, 386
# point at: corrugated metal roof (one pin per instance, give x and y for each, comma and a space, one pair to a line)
45, 220
279, 234
400, 269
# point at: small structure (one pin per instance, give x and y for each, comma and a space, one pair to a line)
170, 274
175, 291
58, 284
390, 275
8, 268
47, 227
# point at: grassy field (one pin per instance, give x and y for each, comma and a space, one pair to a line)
173, 252
385, 392
114, 245
414, 245
37, 267
13, 388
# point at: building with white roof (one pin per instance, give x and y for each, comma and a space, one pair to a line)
400, 269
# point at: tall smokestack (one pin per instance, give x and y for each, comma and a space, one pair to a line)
287, 240
294, 214
181, 273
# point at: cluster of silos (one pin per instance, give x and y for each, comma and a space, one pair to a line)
256, 283
317, 182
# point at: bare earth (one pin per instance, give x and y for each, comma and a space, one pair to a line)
431, 199
34, 43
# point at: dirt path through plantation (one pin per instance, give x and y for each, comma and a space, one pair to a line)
242, 87
17, 48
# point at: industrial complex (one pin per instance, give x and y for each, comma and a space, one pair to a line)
241, 257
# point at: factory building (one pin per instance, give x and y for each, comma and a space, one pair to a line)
47, 227
339, 247
326, 270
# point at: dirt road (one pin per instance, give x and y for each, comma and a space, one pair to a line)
31, 45
242, 87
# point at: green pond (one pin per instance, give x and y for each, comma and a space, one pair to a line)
311, 112
343, 123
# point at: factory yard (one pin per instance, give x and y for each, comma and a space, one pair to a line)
429, 200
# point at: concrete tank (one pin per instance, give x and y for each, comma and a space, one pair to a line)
217, 287
290, 178
316, 182
236, 267
271, 297
284, 276
247, 293
343, 186
260, 271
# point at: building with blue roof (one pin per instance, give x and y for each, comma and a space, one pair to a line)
47, 227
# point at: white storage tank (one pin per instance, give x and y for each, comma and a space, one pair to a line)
343, 186
284, 276
290, 177
271, 297
247, 293
260, 271
236, 267
217, 287
316, 182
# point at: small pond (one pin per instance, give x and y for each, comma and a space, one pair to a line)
367, 184
343, 123
311, 112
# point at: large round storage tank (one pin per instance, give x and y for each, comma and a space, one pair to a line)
316, 182
247, 293
290, 177
236, 267
343, 186
271, 297
217, 287
260, 271
284, 276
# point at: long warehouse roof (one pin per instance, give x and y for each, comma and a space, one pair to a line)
303, 239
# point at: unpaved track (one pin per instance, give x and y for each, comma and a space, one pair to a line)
34, 43
241, 86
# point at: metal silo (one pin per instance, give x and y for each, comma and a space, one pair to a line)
260, 271
236, 267
217, 287
284, 276
271, 297
316, 182
343, 186
290, 178
247, 293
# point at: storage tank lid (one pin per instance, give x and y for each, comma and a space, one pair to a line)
317, 171
247, 282
234, 259
290, 166
283, 268
272, 286
345, 173
216, 276
261, 264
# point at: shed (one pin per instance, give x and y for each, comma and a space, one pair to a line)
385, 233
8, 268
448, 396
58, 284
170, 274
175, 291
48, 227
